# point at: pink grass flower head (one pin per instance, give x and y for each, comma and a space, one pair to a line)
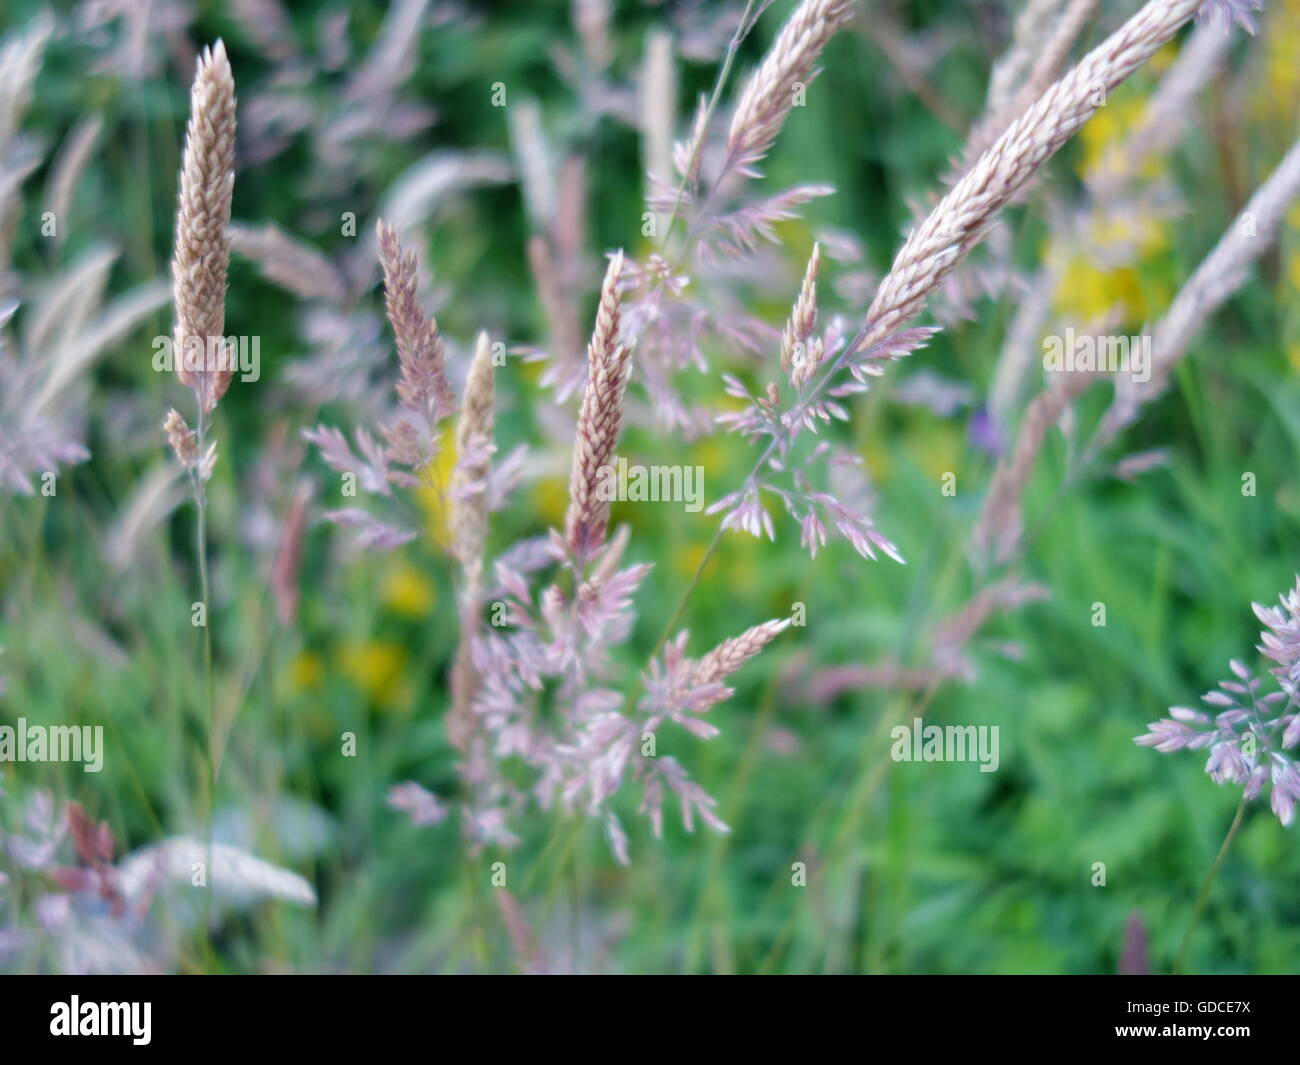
1251, 735
599, 422
423, 807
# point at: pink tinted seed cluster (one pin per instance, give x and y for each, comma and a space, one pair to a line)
1250, 735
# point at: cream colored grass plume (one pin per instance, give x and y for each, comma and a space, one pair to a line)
962, 217
599, 423
202, 252
772, 89
420, 349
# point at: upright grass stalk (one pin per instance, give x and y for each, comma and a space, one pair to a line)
1203, 897
201, 549
202, 359
600, 420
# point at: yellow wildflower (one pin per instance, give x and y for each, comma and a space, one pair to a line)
432, 492
377, 668
406, 590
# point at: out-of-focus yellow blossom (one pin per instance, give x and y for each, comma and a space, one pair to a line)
936, 447
716, 460
1164, 58
305, 672
1109, 126
377, 667
1279, 92
1150, 236
435, 484
736, 562
550, 500
1089, 289
687, 559
406, 590
1293, 355
876, 453
531, 370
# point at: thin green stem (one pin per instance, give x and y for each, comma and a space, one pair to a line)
209, 776
1204, 896
747, 20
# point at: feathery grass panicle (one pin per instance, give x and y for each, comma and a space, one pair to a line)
801, 352
933, 250
469, 496
963, 217
564, 330
237, 877
599, 422
1113, 182
69, 166
1048, 57
770, 92
182, 439
202, 251
731, 654
291, 264
682, 689
468, 527
998, 529
1220, 274
423, 388
199, 265
1027, 37
1252, 734
21, 55
20, 61
658, 98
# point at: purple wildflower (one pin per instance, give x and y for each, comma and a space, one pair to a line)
983, 432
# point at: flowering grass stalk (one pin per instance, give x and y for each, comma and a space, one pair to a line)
201, 258
1221, 273
599, 422
932, 251
771, 90
561, 638
469, 527
1114, 189
1251, 737
689, 165
1040, 55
